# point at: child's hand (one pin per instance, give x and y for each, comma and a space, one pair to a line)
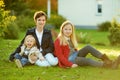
41, 59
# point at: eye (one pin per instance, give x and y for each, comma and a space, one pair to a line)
43, 20
39, 19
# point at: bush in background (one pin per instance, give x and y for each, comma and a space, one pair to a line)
114, 36
5, 18
56, 21
104, 26
25, 22
83, 38
11, 31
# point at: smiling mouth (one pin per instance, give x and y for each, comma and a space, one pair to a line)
29, 44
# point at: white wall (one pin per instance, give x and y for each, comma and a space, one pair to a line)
83, 12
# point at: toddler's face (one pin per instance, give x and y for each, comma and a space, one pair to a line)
30, 42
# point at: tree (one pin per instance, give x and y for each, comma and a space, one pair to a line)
5, 18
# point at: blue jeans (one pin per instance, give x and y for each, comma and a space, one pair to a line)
50, 60
23, 60
73, 56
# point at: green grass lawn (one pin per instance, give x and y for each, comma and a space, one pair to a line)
9, 71
96, 36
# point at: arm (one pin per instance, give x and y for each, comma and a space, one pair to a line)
34, 55
39, 55
62, 54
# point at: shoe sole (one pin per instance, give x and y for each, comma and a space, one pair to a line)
18, 63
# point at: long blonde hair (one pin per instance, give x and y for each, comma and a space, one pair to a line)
63, 41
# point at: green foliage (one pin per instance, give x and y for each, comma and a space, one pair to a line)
18, 6
104, 26
94, 36
56, 21
11, 31
25, 22
28, 12
114, 36
83, 38
5, 18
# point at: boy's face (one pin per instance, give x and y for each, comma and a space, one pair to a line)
30, 42
40, 22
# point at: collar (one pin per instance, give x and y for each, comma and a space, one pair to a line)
67, 38
38, 32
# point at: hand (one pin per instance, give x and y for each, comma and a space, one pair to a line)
41, 59
74, 65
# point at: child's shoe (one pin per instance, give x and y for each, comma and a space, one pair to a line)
18, 63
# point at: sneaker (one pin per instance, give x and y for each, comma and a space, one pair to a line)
18, 63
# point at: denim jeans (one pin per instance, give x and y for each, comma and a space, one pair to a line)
23, 60
50, 60
73, 56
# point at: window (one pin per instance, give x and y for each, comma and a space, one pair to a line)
98, 7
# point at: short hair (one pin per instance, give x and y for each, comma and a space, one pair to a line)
39, 14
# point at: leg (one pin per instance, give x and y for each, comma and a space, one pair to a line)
43, 63
18, 60
51, 59
18, 63
17, 56
72, 57
24, 61
82, 61
89, 49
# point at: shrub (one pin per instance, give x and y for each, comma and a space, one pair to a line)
114, 36
25, 22
104, 26
83, 38
11, 31
56, 21
5, 18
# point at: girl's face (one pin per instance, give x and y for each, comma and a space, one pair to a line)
30, 42
40, 22
67, 30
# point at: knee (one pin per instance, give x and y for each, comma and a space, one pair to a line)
88, 46
17, 56
42, 63
51, 59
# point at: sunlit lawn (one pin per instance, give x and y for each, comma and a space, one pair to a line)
9, 71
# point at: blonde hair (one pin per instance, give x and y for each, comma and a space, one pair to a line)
29, 36
63, 41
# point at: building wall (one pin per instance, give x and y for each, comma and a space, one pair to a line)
85, 12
